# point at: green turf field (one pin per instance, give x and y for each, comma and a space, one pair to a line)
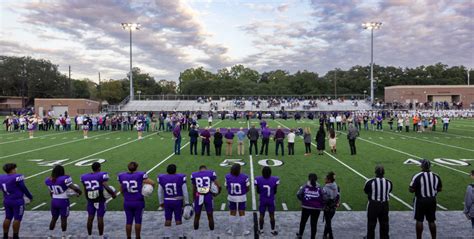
154, 152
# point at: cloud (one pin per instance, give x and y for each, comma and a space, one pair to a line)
168, 28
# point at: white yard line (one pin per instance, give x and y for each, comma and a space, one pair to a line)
164, 160
443, 208
72, 204
39, 137
40, 205
285, 207
222, 206
88, 156
356, 172
457, 135
346, 206
252, 178
434, 142
46, 147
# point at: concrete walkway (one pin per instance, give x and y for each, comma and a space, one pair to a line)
451, 224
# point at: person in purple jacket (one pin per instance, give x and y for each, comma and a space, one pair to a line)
237, 185
131, 184
172, 195
202, 181
266, 133
263, 124
94, 185
206, 141
177, 138
58, 185
312, 197
229, 140
267, 188
279, 137
14, 190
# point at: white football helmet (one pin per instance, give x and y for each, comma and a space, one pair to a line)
214, 189
188, 211
70, 192
107, 195
147, 190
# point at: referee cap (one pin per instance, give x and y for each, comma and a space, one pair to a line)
425, 164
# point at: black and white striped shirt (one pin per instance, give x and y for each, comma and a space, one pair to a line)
426, 184
378, 189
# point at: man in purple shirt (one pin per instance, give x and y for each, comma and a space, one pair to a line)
263, 124
266, 133
172, 194
279, 138
205, 136
14, 189
229, 138
131, 184
177, 138
237, 186
267, 188
202, 182
58, 184
94, 185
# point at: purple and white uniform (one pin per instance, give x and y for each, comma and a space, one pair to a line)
95, 192
60, 200
237, 188
267, 188
203, 180
172, 191
14, 188
134, 202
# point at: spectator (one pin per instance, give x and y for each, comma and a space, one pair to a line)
351, 136
177, 139
205, 144
240, 141
279, 137
331, 203
307, 141
218, 142
291, 142
266, 133
321, 140
193, 138
312, 202
332, 140
253, 134
469, 201
229, 139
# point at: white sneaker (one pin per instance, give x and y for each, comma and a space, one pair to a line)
246, 232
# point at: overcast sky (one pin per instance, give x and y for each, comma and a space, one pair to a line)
317, 35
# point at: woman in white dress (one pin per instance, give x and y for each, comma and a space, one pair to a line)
332, 140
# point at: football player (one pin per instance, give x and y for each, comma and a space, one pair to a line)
58, 185
94, 185
203, 196
237, 186
172, 191
131, 184
14, 190
267, 188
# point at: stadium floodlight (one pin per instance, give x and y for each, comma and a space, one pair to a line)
372, 26
130, 27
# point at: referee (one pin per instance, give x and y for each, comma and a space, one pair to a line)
426, 186
378, 190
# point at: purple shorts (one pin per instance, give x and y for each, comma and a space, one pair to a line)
134, 211
96, 207
14, 209
266, 205
208, 204
173, 206
59, 207
233, 206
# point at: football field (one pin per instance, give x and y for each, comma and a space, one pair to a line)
450, 153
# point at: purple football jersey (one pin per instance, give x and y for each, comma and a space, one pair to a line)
9, 184
131, 184
237, 186
266, 187
93, 184
203, 179
172, 184
59, 186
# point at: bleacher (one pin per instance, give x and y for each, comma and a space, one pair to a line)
220, 104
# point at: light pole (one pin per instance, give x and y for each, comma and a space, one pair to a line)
468, 71
139, 92
130, 27
372, 26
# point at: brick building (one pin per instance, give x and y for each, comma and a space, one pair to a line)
11, 103
72, 106
406, 94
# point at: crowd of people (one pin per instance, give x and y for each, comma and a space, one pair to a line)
173, 197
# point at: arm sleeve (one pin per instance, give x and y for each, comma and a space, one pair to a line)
185, 193
367, 188
161, 194
299, 194
468, 200
21, 185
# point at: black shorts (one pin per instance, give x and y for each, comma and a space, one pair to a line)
425, 207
